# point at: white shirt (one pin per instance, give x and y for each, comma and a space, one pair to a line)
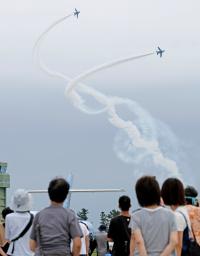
181, 223
85, 232
14, 225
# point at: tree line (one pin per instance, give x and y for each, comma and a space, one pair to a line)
104, 218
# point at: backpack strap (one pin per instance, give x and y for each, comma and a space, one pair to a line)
84, 224
23, 231
188, 226
184, 218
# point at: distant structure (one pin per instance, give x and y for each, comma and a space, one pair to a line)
4, 184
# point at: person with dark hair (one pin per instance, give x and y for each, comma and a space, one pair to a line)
6, 211
55, 226
4, 244
154, 230
193, 209
118, 231
173, 196
191, 196
101, 239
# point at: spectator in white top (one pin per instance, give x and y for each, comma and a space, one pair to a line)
84, 240
16, 222
172, 193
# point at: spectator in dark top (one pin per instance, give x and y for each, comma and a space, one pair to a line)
55, 226
118, 231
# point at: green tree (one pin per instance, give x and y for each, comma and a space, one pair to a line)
103, 219
113, 214
83, 214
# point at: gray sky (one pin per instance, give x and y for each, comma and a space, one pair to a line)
43, 135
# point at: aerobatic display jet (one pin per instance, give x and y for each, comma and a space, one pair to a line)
160, 51
76, 13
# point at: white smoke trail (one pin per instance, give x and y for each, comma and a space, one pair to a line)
149, 144
78, 101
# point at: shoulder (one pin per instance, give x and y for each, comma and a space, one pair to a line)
84, 228
69, 213
11, 216
181, 218
193, 211
136, 212
116, 219
182, 210
167, 211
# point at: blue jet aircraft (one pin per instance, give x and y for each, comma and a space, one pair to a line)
160, 51
76, 13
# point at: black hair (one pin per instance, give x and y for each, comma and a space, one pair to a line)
147, 191
102, 227
172, 192
124, 203
191, 191
58, 190
6, 211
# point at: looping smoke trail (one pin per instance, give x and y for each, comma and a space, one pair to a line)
78, 101
92, 71
138, 140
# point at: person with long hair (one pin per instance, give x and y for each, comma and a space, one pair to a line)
154, 230
172, 193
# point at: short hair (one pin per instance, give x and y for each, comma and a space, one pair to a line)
191, 191
191, 196
6, 211
124, 203
172, 192
148, 191
58, 190
102, 227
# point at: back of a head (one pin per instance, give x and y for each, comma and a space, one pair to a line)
6, 211
102, 227
124, 203
191, 191
147, 191
21, 201
172, 192
190, 195
58, 190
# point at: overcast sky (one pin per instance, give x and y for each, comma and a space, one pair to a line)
43, 135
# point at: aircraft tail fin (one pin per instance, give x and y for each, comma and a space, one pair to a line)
68, 199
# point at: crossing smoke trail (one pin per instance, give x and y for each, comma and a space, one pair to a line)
142, 134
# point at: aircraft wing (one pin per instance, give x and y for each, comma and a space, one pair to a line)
34, 191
